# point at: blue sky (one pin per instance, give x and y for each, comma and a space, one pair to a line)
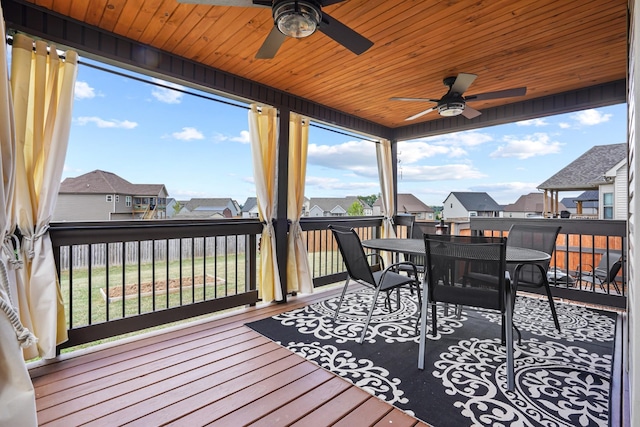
200, 148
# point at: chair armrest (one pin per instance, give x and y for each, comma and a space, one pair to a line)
584, 268
376, 258
409, 264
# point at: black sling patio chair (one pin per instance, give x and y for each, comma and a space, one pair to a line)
604, 274
359, 270
468, 271
533, 275
413, 231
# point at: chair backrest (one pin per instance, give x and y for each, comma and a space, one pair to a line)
539, 237
467, 270
609, 266
406, 221
353, 255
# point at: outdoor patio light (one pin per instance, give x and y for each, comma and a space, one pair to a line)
450, 109
297, 18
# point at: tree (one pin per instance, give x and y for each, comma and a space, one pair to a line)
176, 207
369, 200
355, 209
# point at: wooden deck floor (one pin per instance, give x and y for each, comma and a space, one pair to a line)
217, 372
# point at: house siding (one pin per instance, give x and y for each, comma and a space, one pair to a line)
87, 207
620, 197
454, 209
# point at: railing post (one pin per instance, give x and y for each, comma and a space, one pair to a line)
251, 242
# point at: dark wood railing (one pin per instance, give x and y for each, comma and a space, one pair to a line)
124, 276
581, 242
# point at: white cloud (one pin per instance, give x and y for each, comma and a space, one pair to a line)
165, 94
533, 122
356, 156
414, 151
243, 138
564, 125
590, 117
188, 134
459, 139
538, 144
82, 90
101, 123
328, 185
442, 172
450, 145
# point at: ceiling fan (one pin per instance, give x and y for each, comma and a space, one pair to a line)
298, 19
453, 103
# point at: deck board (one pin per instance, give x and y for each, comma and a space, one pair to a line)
214, 372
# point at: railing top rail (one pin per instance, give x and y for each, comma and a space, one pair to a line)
599, 227
75, 233
321, 223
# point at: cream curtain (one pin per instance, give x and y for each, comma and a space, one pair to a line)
263, 131
17, 396
385, 172
42, 85
298, 272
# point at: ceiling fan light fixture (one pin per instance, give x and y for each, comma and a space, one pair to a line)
450, 109
296, 18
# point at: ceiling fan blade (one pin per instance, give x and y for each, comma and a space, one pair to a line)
413, 99
239, 3
415, 116
470, 113
344, 35
271, 44
507, 93
463, 81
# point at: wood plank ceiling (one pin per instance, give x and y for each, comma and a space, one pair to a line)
549, 46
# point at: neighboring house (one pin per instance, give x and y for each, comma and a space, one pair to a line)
104, 196
586, 203
603, 168
408, 204
204, 212
462, 204
205, 208
250, 208
527, 206
173, 206
335, 206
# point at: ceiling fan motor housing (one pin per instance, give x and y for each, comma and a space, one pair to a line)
451, 106
296, 18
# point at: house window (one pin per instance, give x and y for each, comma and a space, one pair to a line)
127, 201
607, 205
109, 198
117, 198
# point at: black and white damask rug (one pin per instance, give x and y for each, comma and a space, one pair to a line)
562, 378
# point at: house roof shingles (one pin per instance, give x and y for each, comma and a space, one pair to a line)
199, 203
102, 182
477, 201
327, 204
588, 170
532, 202
408, 203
